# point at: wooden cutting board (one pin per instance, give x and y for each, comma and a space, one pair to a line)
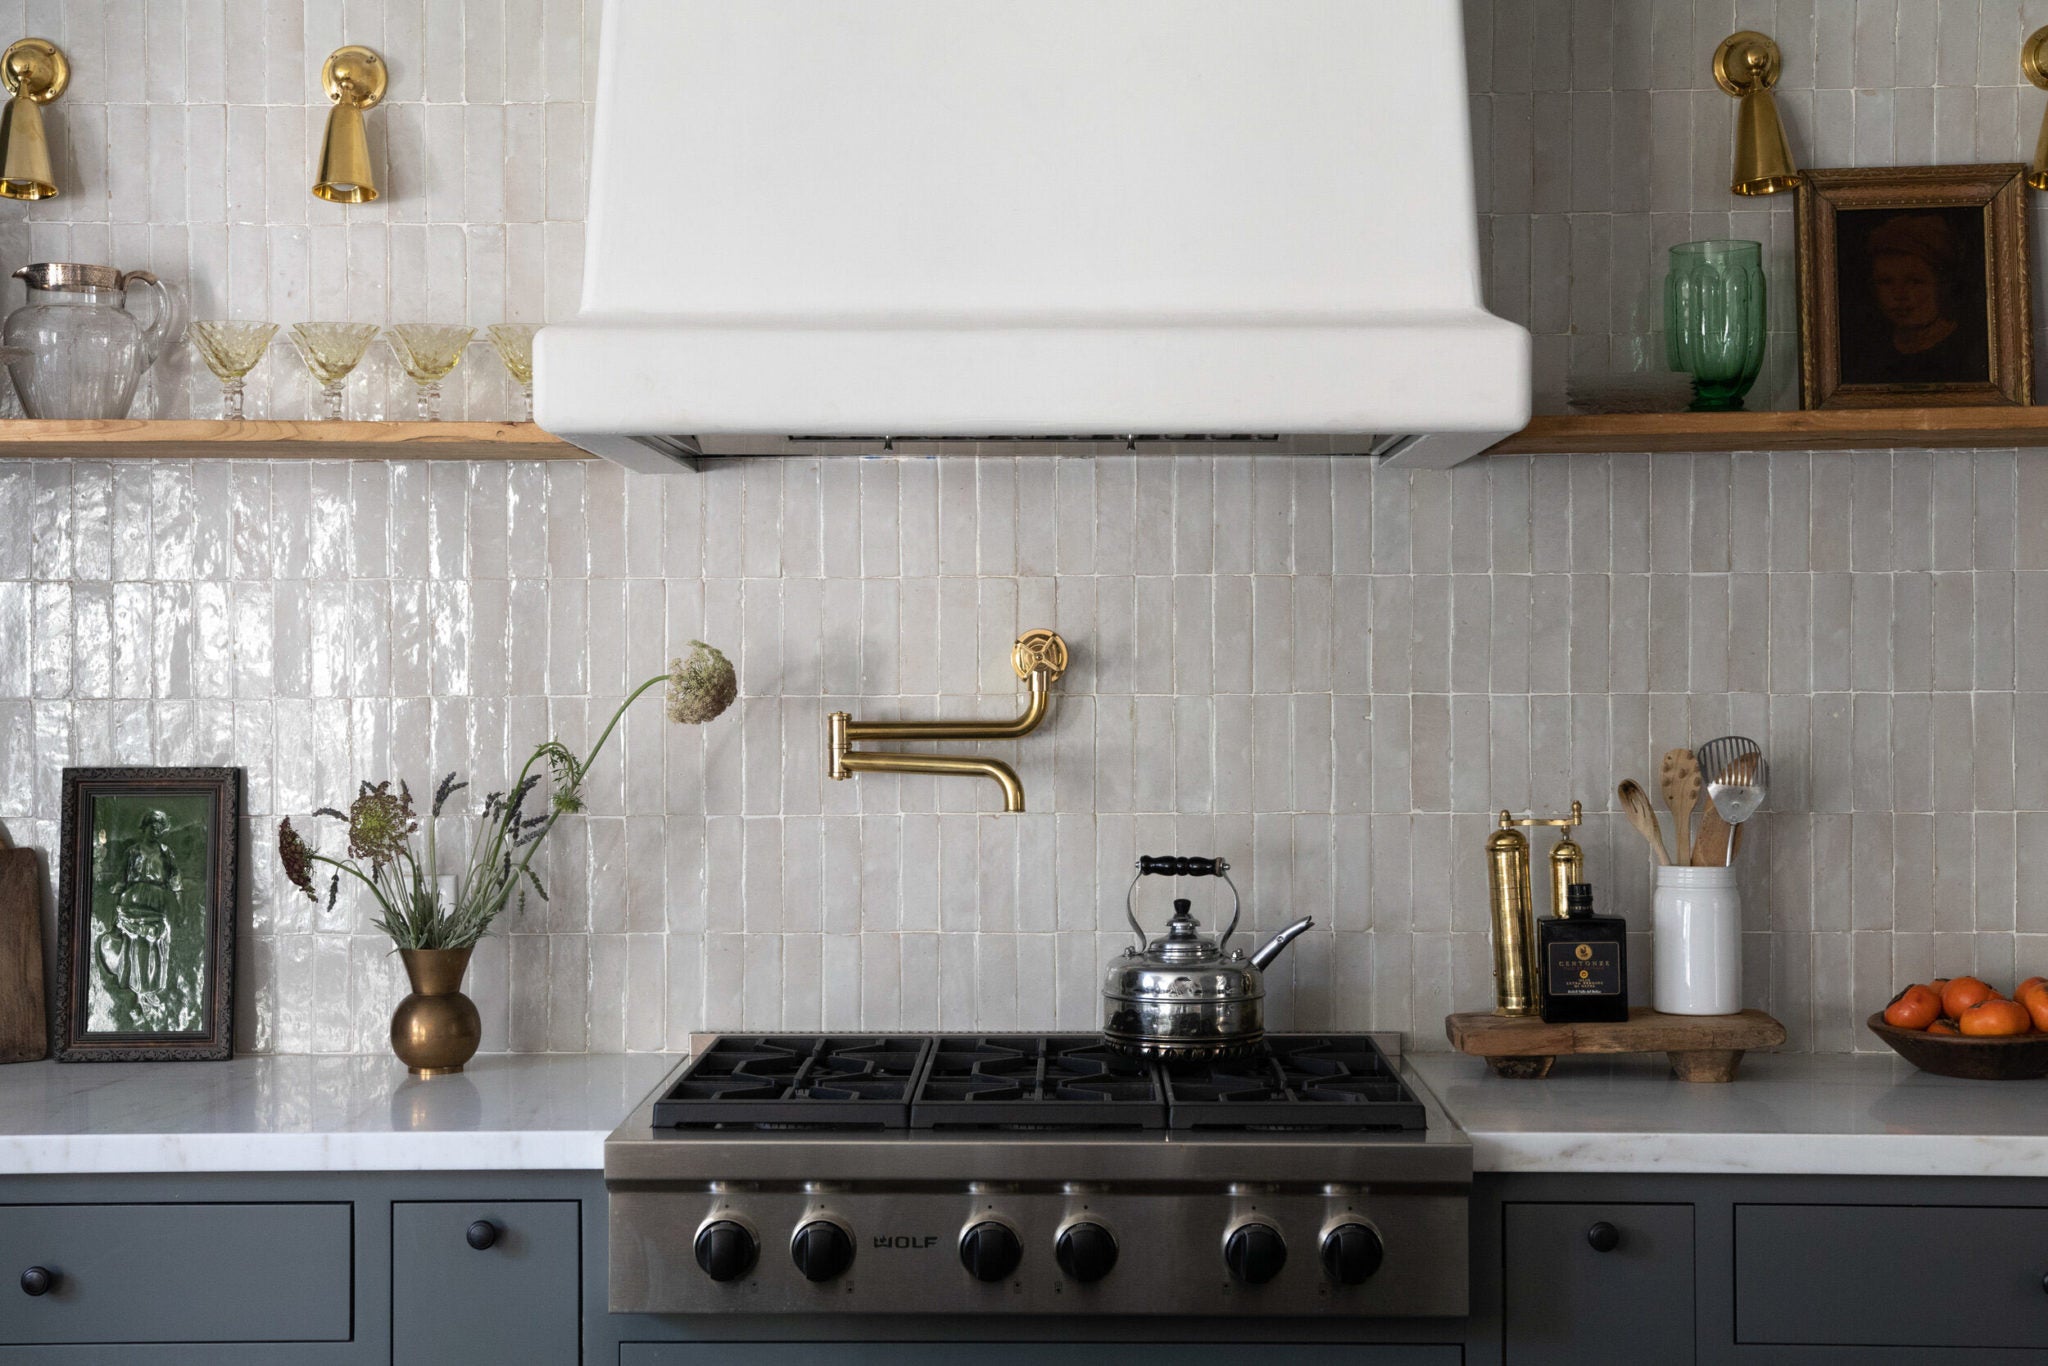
24, 1028
1701, 1047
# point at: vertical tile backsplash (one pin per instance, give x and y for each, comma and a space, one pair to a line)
1331, 677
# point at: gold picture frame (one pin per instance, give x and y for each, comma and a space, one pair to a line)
1913, 287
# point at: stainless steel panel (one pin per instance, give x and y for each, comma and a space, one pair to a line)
907, 1251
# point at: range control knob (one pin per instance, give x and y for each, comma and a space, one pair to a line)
1254, 1253
821, 1250
1351, 1253
726, 1250
1086, 1252
990, 1251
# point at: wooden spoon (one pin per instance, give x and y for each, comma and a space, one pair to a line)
1635, 804
1680, 782
1712, 848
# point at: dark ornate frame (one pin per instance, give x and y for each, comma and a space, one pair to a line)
2000, 190
217, 1043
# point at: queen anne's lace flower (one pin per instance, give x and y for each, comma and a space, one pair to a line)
700, 687
297, 857
380, 823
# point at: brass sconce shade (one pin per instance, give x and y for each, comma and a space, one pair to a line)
2034, 62
1746, 66
355, 79
35, 73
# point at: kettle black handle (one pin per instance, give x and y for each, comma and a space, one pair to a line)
1171, 865
1174, 865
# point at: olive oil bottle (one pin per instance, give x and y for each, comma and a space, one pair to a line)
1582, 959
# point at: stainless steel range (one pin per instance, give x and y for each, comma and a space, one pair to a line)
1038, 1174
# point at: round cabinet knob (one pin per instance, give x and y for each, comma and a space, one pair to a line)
1603, 1237
1255, 1253
481, 1234
990, 1251
726, 1250
821, 1250
38, 1280
1351, 1253
1086, 1252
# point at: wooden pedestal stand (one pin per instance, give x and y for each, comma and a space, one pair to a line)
1702, 1047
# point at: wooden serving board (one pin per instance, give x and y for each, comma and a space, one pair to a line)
1702, 1047
24, 1029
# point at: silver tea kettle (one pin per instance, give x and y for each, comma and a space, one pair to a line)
1182, 997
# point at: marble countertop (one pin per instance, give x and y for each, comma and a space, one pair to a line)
1796, 1114
537, 1112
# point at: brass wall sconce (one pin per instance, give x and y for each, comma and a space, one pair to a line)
1039, 657
2034, 62
355, 79
1746, 65
36, 73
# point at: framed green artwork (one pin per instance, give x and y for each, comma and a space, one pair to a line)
146, 897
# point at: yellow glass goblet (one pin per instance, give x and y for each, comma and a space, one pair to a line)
331, 352
514, 345
429, 354
231, 350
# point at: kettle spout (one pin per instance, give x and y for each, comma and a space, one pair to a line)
1268, 951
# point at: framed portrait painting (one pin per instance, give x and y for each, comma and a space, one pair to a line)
146, 895
1913, 287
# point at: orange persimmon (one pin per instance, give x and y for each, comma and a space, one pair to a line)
1995, 1018
1963, 992
1944, 1025
1915, 1007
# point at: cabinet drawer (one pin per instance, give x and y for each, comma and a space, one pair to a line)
518, 1300
1027, 1354
1891, 1275
1574, 1296
178, 1273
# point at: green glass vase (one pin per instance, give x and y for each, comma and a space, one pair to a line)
1714, 319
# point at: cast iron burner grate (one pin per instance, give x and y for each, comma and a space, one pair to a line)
1297, 1081
1036, 1081
793, 1081
1033, 1081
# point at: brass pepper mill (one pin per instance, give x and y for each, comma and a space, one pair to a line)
1507, 876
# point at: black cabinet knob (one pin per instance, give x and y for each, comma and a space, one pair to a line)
821, 1250
1603, 1237
990, 1251
726, 1250
1086, 1252
37, 1280
1351, 1253
481, 1234
1255, 1253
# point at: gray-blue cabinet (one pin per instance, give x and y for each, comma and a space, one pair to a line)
1598, 1282
1935, 1276
215, 1272
497, 1281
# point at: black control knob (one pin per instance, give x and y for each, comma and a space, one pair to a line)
990, 1251
821, 1250
726, 1250
1086, 1252
481, 1234
1604, 1237
38, 1280
1351, 1253
1255, 1253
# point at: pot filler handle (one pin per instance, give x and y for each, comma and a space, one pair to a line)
1172, 865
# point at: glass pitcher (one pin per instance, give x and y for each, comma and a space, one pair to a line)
86, 350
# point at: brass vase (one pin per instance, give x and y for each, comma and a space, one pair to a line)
435, 1029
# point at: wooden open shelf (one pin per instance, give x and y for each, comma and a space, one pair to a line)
115, 440
1827, 429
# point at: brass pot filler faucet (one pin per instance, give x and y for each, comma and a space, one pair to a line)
1039, 657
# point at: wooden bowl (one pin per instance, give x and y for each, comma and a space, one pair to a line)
2015, 1057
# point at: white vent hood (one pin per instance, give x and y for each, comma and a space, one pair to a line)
917, 225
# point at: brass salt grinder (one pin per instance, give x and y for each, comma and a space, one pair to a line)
1515, 983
